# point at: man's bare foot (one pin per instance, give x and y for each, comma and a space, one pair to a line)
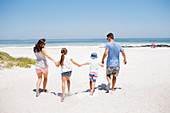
113, 89
108, 86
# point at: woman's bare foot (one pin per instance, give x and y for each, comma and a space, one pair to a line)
37, 93
45, 90
62, 99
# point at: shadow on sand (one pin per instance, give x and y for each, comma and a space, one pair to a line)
66, 94
100, 87
40, 90
103, 87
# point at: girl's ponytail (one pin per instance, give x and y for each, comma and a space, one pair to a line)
63, 52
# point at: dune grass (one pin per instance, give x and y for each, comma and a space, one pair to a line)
7, 61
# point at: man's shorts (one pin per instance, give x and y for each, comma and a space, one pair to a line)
68, 73
112, 71
39, 70
93, 76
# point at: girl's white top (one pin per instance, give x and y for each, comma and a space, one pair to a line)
67, 65
94, 64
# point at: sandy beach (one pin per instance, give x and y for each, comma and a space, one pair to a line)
142, 85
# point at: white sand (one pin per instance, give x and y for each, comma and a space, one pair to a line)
143, 85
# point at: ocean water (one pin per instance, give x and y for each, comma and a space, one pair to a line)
85, 42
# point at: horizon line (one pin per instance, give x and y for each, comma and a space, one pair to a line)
80, 38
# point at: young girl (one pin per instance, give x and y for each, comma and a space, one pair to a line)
94, 64
66, 70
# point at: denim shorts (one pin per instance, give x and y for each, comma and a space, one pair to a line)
68, 73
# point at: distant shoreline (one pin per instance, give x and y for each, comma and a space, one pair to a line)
124, 46
57, 43
160, 45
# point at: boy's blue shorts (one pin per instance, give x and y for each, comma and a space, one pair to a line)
93, 76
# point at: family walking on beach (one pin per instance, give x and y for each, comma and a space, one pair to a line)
112, 51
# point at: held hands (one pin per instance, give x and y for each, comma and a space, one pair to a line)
57, 63
84, 64
79, 65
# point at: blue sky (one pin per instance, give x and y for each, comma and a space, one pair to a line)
57, 19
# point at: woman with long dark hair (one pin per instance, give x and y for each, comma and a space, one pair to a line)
41, 65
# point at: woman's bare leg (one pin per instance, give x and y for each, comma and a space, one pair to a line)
45, 81
38, 82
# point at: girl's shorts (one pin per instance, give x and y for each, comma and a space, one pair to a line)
66, 73
112, 71
93, 76
39, 70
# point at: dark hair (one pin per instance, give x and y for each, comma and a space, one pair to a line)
38, 45
110, 35
63, 52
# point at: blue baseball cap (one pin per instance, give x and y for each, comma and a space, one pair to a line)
94, 55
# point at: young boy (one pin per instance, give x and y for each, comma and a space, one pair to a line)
94, 64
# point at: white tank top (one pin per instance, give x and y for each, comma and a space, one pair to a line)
67, 65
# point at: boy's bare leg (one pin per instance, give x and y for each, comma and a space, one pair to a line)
90, 85
93, 86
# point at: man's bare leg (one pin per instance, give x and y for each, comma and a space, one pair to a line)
108, 79
113, 83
